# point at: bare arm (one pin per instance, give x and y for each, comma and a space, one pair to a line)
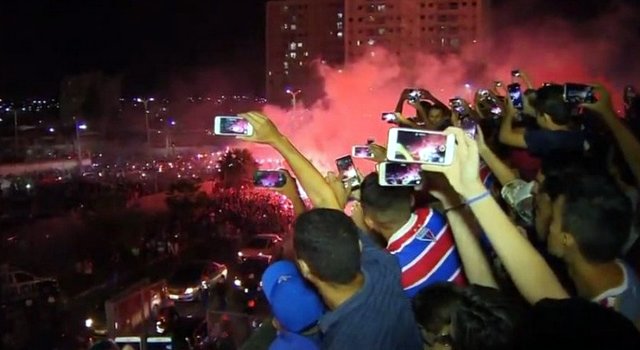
508, 135
502, 172
530, 273
290, 190
310, 178
625, 139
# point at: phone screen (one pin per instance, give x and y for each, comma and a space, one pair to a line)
400, 174
348, 171
159, 343
134, 342
515, 94
389, 117
420, 146
269, 178
361, 152
578, 93
232, 126
469, 126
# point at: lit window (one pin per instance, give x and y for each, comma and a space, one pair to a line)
292, 46
371, 42
285, 26
293, 55
339, 25
381, 8
299, 44
358, 43
300, 63
294, 27
306, 53
286, 72
381, 31
270, 73
340, 15
339, 34
286, 64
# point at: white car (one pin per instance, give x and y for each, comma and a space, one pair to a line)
190, 280
266, 245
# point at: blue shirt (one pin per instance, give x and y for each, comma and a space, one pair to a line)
544, 142
379, 315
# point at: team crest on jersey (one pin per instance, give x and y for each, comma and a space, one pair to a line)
425, 235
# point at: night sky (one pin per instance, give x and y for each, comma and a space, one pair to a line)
154, 42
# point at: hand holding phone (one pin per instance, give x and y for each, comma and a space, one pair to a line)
420, 146
578, 93
515, 94
232, 126
390, 117
348, 172
270, 178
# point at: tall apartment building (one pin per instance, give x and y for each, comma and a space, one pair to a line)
407, 26
298, 32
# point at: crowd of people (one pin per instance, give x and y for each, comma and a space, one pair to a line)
527, 239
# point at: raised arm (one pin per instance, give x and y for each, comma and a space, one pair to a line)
508, 135
290, 190
310, 178
625, 139
529, 271
502, 172
465, 231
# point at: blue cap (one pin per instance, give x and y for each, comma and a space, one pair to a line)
292, 341
294, 303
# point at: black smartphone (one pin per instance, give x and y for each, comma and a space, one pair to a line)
390, 117
469, 126
348, 172
515, 73
515, 94
269, 178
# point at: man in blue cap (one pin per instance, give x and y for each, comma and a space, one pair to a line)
296, 307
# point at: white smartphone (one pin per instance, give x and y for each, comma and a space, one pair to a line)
361, 152
231, 126
399, 174
348, 171
134, 342
159, 343
420, 146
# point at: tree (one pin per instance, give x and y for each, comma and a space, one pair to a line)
236, 168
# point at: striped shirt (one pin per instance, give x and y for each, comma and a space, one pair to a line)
486, 176
425, 248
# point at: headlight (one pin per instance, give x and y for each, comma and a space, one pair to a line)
88, 323
239, 253
188, 291
237, 283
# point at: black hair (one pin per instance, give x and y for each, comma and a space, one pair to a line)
327, 240
104, 345
434, 305
560, 168
486, 319
382, 200
550, 100
598, 215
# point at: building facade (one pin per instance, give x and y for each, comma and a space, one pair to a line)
297, 33
405, 27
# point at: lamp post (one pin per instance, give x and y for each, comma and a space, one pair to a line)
15, 126
145, 103
294, 96
79, 126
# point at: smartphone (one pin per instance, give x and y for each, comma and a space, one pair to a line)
269, 178
231, 126
515, 94
415, 96
420, 146
348, 171
134, 342
497, 83
492, 102
159, 343
399, 174
515, 73
578, 93
469, 126
390, 117
361, 152
457, 104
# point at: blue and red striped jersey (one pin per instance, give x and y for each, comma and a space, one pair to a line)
426, 251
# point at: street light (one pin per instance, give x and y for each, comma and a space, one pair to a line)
79, 126
145, 102
294, 95
15, 126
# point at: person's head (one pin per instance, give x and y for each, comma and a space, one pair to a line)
591, 220
469, 318
437, 117
384, 207
295, 305
327, 247
104, 345
551, 110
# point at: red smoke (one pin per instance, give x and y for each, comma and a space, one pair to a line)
357, 94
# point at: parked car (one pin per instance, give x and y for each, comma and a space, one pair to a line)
190, 280
266, 245
20, 285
